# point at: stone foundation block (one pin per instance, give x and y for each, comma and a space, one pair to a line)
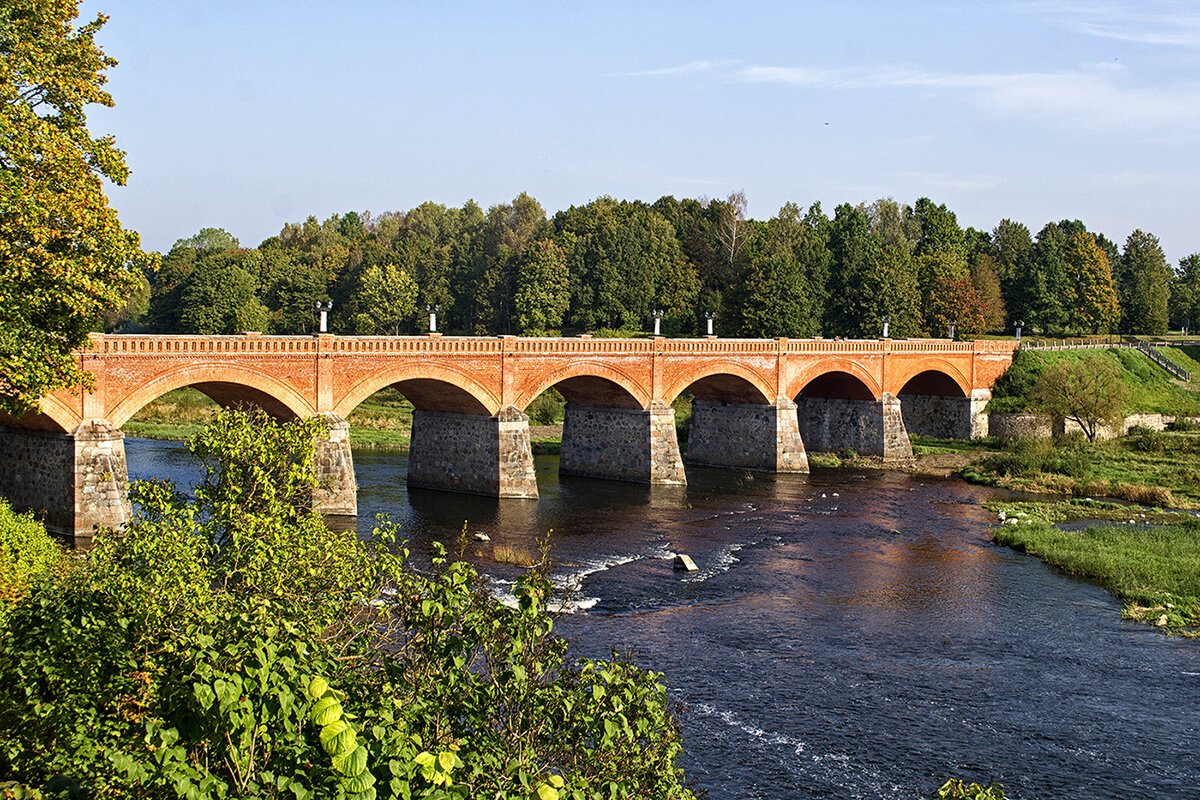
336, 492
472, 453
747, 436
622, 444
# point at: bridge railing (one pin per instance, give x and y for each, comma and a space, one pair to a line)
146, 344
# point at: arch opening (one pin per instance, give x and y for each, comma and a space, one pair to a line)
430, 394
836, 386
596, 392
932, 383
197, 403
934, 405
725, 388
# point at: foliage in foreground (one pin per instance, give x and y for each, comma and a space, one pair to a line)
26, 553
954, 789
64, 257
231, 645
1155, 569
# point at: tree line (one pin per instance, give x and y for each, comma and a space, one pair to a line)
610, 265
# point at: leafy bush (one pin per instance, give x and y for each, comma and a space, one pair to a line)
954, 789
1011, 392
26, 552
546, 408
231, 645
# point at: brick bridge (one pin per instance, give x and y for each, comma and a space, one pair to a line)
757, 404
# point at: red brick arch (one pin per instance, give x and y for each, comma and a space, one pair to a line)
472, 395
585, 369
246, 377
828, 365
761, 388
58, 412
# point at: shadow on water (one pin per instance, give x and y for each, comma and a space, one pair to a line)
847, 634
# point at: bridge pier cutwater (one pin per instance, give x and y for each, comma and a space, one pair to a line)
757, 404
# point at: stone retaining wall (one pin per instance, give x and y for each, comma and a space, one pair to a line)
1008, 427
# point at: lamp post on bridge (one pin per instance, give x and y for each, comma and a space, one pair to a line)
323, 309
950, 329
658, 315
710, 316
886, 320
1020, 324
433, 312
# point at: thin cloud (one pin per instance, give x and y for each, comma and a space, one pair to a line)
690, 68
1173, 24
1095, 98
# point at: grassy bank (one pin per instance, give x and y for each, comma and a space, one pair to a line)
1159, 468
383, 420
1151, 388
1153, 569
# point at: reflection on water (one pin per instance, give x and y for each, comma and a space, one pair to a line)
847, 634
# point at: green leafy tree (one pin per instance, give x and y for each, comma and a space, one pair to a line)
1089, 392
387, 297
1093, 306
783, 289
1185, 293
229, 644
869, 281
221, 296
543, 288
1144, 285
64, 257
1013, 244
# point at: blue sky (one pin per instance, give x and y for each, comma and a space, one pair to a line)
246, 115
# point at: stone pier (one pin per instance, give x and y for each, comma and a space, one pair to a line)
72, 482
622, 444
472, 453
336, 492
869, 427
946, 417
752, 436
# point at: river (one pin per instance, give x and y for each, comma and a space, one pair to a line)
849, 634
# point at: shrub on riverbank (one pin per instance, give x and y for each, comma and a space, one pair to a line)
27, 552
180, 660
1155, 570
1151, 467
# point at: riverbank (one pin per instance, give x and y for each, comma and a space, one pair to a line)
1157, 468
1148, 559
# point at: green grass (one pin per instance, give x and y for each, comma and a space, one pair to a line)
1151, 388
1155, 570
1187, 357
1157, 468
929, 444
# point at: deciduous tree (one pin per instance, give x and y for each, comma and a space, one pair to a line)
1093, 301
543, 288
1144, 285
64, 256
1089, 392
387, 299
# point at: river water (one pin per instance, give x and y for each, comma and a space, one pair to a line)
848, 634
